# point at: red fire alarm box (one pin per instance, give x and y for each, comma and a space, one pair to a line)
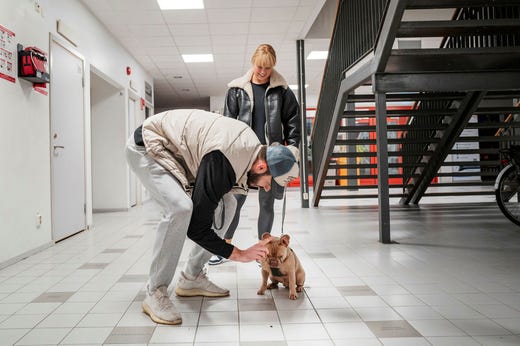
32, 64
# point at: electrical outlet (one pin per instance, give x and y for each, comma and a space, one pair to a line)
37, 6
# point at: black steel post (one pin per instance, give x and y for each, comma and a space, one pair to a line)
382, 169
304, 181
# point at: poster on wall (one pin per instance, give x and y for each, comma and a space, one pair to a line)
466, 159
7, 55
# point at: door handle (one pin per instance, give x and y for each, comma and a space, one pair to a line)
58, 147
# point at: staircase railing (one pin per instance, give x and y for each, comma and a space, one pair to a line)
354, 36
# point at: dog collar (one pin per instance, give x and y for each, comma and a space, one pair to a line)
276, 271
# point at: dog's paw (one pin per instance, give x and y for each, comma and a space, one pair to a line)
261, 291
293, 296
299, 288
273, 285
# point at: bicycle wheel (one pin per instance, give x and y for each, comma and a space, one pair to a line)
508, 194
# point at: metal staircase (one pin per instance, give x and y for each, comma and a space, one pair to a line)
434, 117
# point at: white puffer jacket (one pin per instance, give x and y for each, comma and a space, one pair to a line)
179, 139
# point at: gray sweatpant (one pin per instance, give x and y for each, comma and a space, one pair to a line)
176, 207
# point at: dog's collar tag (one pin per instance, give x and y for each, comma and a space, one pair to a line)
276, 272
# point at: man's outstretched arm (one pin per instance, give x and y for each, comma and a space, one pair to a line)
256, 252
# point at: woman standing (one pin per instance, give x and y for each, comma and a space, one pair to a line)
262, 99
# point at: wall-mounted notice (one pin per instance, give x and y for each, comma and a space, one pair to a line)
7, 55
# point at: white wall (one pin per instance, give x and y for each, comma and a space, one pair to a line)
108, 164
25, 172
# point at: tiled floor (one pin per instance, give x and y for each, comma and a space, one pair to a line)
452, 279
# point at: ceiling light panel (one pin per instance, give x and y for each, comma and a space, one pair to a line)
189, 58
181, 4
318, 55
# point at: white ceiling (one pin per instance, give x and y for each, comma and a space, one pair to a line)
229, 29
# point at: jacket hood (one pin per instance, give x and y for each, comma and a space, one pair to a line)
275, 80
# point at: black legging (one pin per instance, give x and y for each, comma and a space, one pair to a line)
265, 217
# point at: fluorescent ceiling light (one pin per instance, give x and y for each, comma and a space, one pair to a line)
295, 86
318, 55
180, 4
197, 57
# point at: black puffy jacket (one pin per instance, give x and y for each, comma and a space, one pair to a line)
282, 112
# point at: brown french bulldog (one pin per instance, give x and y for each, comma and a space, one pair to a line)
281, 266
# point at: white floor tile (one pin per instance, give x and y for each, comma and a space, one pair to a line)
10, 336
511, 324
310, 343
366, 301
452, 341
78, 336
283, 302
305, 331
458, 312
217, 334
22, 321
338, 315
264, 333
476, 298
61, 320
329, 303
396, 300
348, 330
452, 281
436, 328
218, 318
315, 292
418, 313
173, 335
20, 297
69, 308
405, 342
378, 314
495, 311
109, 307
358, 342
99, 320
219, 305
480, 327
258, 317
505, 340
439, 299
38, 308
86, 296
44, 336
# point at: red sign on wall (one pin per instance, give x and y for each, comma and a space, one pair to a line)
7, 55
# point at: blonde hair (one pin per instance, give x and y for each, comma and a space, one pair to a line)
264, 56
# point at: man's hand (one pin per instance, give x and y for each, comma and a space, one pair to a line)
256, 252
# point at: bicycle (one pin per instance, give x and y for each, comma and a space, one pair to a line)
507, 185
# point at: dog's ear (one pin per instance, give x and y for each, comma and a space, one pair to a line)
284, 239
266, 235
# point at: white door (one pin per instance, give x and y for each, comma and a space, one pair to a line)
67, 142
131, 128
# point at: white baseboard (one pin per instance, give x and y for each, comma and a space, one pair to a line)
25, 255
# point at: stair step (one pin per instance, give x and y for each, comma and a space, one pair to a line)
453, 59
443, 28
429, 4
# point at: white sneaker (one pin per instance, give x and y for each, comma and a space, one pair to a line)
200, 286
160, 308
216, 259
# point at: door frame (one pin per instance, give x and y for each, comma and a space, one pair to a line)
139, 116
94, 137
86, 164
133, 191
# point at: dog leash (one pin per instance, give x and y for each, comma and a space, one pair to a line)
222, 216
283, 207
